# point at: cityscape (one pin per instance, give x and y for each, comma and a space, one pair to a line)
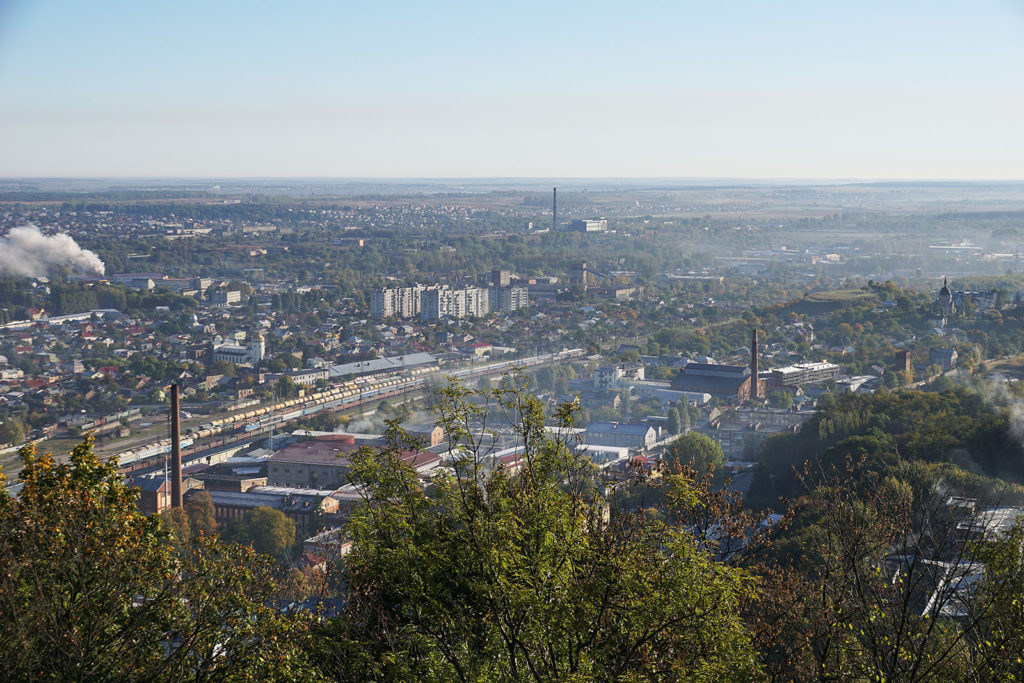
382, 351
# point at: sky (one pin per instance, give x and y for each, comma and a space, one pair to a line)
391, 89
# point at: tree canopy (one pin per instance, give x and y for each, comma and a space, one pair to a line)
266, 530
698, 451
498, 575
92, 590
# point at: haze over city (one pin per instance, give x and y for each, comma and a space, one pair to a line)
531, 89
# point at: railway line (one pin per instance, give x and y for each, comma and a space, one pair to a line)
350, 394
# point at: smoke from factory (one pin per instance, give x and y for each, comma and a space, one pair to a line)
26, 252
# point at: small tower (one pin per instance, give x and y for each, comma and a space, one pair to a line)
578, 275
945, 301
259, 348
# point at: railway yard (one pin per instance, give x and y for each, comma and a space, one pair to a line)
211, 434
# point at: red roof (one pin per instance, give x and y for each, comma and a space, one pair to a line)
335, 449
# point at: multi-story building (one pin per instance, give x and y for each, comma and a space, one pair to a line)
250, 354
610, 377
306, 377
506, 297
230, 296
741, 432
400, 302
589, 225
509, 299
444, 302
801, 374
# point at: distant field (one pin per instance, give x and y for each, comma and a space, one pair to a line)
832, 300
839, 296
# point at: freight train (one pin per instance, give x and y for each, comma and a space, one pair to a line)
349, 394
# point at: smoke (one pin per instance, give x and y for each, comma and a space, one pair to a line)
995, 390
364, 425
26, 252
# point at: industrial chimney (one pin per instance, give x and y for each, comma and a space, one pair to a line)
554, 209
755, 386
176, 499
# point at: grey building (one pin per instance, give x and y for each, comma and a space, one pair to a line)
625, 434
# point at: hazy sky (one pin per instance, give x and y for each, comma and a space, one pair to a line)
459, 89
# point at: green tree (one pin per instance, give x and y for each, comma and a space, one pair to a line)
698, 451
516, 576
780, 399
223, 367
175, 521
12, 431
286, 388
92, 590
883, 585
266, 531
201, 514
674, 424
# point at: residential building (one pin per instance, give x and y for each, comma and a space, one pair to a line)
944, 358
400, 302
226, 297
306, 377
741, 431
610, 377
445, 302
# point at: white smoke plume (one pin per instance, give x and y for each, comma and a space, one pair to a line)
26, 252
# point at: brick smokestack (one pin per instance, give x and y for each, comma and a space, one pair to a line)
755, 386
176, 499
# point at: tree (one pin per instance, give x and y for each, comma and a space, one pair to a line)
883, 584
201, 514
223, 367
698, 451
517, 576
780, 399
12, 431
93, 590
266, 531
673, 425
175, 520
286, 388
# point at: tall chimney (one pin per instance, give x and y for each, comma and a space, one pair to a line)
554, 209
755, 387
176, 500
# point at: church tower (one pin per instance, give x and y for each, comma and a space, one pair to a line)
944, 301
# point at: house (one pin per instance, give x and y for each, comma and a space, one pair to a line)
625, 434
155, 491
944, 358
610, 376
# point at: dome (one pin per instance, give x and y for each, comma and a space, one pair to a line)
944, 292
